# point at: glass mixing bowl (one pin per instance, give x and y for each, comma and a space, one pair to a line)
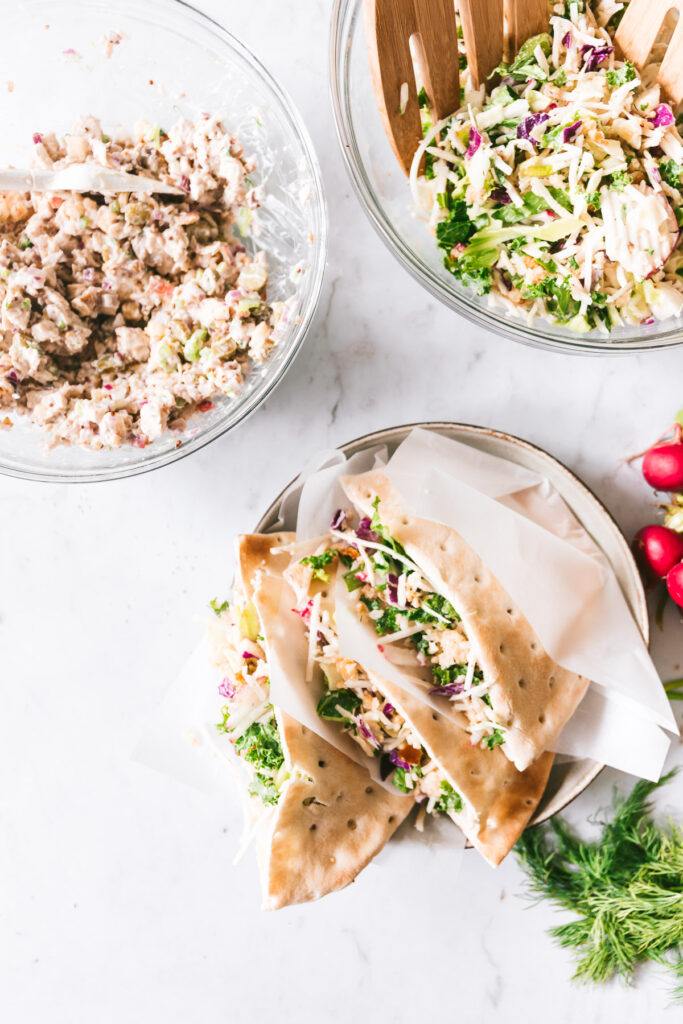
385, 196
172, 62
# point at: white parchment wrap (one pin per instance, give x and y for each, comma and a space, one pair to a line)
559, 578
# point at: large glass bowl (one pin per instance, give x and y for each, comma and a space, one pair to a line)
385, 196
172, 61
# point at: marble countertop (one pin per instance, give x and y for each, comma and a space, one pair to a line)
118, 901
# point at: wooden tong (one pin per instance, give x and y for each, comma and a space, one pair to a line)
637, 33
429, 26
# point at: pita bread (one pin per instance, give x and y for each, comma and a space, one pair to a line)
331, 819
499, 799
531, 695
503, 797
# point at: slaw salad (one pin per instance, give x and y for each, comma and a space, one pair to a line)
557, 193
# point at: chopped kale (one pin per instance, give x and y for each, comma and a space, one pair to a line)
318, 563
398, 779
450, 800
218, 608
494, 740
331, 701
620, 76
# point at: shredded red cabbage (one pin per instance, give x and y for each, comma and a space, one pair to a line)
226, 689
339, 519
396, 759
593, 56
363, 531
525, 127
37, 138
569, 133
366, 732
305, 613
500, 195
474, 143
662, 116
388, 710
567, 40
449, 690
392, 587
246, 655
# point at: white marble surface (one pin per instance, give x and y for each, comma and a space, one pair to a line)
117, 900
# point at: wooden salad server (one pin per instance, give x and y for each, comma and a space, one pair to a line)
392, 27
637, 33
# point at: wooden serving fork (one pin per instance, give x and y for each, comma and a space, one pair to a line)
637, 33
429, 26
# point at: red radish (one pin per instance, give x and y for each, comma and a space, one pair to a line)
657, 550
674, 584
663, 464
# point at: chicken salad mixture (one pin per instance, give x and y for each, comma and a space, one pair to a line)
559, 193
123, 314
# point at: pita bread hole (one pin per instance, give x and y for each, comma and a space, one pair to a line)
510, 612
351, 824
322, 764
435, 716
474, 771
532, 645
392, 819
521, 684
476, 579
500, 647
541, 719
529, 802
313, 827
551, 682
369, 790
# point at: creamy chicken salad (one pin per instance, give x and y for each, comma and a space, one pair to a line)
559, 193
122, 314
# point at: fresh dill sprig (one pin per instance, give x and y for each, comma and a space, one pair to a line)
626, 887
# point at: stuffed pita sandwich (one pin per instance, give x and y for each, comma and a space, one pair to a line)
427, 754
319, 817
423, 586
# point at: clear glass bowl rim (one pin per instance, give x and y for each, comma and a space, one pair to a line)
185, 11
342, 24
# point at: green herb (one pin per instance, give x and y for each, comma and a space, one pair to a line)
386, 623
626, 888
560, 78
487, 699
494, 740
331, 701
622, 75
444, 676
26, 303
593, 201
351, 580
262, 786
403, 778
450, 801
115, 207
456, 229
671, 172
619, 180
219, 608
318, 563
525, 65
26, 243
260, 745
674, 689
83, 223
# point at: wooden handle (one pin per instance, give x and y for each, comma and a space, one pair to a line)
637, 33
482, 28
390, 25
525, 18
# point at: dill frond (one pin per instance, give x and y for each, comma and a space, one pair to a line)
626, 888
